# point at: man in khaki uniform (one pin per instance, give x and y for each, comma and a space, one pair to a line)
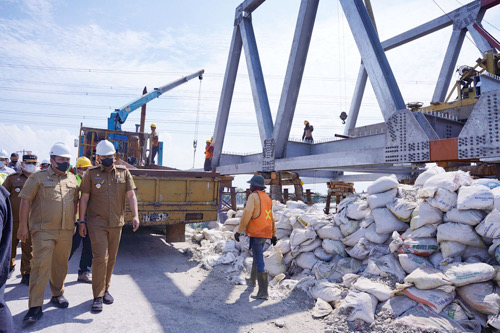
50, 199
104, 189
14, 184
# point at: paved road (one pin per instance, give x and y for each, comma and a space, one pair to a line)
158, 289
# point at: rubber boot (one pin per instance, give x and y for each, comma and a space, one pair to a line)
263, 283
253, 276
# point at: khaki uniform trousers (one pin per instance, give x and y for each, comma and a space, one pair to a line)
51, 250
26, 251
105, 242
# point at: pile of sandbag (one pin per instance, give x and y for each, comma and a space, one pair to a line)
403, 249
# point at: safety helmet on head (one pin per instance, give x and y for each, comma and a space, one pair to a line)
104, 148
45, 162
4, 154
257, 180
153, 125
209, 141
83, 162
60, 149
306, 122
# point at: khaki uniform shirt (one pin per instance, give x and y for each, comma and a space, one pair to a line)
107, 190
14, 184
52, 199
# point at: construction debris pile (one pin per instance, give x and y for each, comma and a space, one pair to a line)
423, 257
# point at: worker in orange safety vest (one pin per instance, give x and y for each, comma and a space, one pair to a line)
209, 153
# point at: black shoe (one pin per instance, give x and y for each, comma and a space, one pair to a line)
33, 314
25, 279
59, 301
108, 299
10, 272
97, 305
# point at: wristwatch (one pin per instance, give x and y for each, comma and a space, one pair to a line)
80, 222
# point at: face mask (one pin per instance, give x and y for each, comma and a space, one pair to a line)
29, 168
63, 167
107, 162
2, 164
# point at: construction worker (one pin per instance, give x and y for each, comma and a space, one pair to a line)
4, 161
44, 165
6, 322
14, 184
103, 193
307, 136
82, 165
50, 199
209, 153
155, 143
258, 222
14, 162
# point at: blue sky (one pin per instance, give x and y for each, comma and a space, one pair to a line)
69, 62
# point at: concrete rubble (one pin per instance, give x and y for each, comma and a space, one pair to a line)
400, 258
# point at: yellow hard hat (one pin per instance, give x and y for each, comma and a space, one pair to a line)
83, 162
153, 125
306, 122
209, 141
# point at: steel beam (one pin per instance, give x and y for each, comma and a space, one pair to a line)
227, 94
259, 93
251, 5
449, 63
379, 71
294, 72
482, 44
357, 98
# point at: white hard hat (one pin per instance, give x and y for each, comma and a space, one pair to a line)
60, 149
4, 154
45, 162
104, 148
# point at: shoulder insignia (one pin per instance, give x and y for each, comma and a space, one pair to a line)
94, 167
120, 166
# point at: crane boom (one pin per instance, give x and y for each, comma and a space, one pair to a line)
119, 116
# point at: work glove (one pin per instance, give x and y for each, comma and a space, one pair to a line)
274, 240
237, 236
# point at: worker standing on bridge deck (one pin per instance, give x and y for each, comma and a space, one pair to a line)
209, 153
258, 222
307, 135
49, 199
104, 190
155, 143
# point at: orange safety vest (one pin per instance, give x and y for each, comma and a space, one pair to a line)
209, 154
262, 225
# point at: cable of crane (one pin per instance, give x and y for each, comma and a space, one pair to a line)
195, 140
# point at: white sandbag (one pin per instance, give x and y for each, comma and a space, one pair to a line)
436, 299
386, 222
425, 277
463, 274
419, 246
471, 217
452, 249
398, 305
362, 304
475, 197
479, 253
380, 200
321, 309
426, 215
490, 227
274, 262
381, 291
284, 223
357, 210
312, 221
348, 266
455, 312
283, 233
432, 171
374, 237
288, 258
283, 245
422, 319
458, 232
349, 228
482, 297
311, 246
306, 260
427, 231
443, 200
390, 265
334, 247
402, 209
232, 221
450, 181
496, 195
488, 182
327, 291
323, 270
383, 184
352, 239
299, 236
410, 262
296, 205
330, 232
322, 254
360, 250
